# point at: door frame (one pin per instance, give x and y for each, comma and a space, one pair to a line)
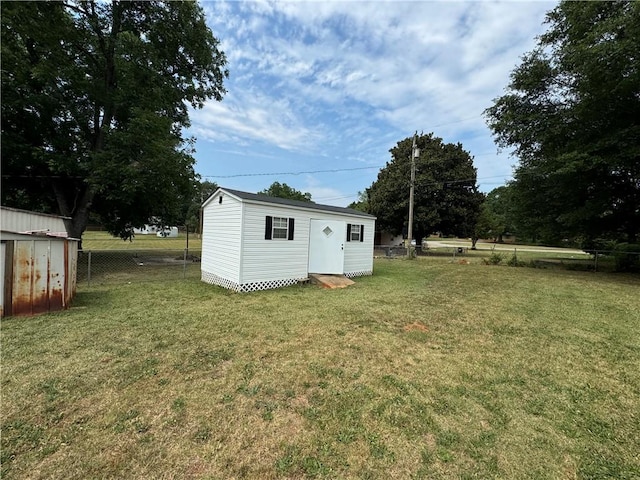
320, 249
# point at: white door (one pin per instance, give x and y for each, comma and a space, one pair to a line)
326, 246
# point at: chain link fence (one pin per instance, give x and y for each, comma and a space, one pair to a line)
595, 260
97, 267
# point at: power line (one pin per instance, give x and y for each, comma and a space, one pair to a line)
326, 199
264, 174
431, 184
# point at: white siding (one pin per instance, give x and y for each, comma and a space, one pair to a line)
236, 255
221, 237
358, 256
267, 260
278, 259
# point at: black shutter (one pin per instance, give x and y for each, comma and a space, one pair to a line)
291, 225
348, 232
362, 232
268, 228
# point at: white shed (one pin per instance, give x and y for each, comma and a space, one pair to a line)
256, 242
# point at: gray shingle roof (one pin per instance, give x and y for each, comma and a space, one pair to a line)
256, 197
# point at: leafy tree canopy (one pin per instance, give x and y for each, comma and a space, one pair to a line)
498, 213
446, 198
94, 99
282, 190
362, 204
572, 115
485, 225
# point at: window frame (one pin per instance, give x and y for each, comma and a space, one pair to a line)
282, 225
355, 234
279, 228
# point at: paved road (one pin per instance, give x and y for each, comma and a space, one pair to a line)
504, 247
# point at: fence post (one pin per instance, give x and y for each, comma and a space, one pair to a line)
515, 256
595, 264
184, 264
89, 269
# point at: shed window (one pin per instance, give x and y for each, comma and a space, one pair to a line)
278, 228
355, 232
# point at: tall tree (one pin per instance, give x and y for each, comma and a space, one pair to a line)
498, 212
94, 99
572, 116
446, 197
282, 190
203, 190
485, 225
362, 204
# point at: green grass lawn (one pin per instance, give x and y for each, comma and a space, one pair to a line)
104, 241
428, 369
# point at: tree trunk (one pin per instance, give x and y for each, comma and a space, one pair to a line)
78, 213
79, 210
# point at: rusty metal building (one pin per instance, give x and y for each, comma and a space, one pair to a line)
37, 265
16, 220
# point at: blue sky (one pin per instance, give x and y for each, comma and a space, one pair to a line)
325, 89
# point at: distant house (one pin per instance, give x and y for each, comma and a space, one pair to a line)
384, 238
38, 263
164, 232
146, 230
167, 232
256, 242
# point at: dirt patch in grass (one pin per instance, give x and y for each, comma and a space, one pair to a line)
415, 326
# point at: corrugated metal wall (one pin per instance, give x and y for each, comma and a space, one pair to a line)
39, 274
14, 220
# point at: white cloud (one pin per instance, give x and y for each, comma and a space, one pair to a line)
253, 117
350, 79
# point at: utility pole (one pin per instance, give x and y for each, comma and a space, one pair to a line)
415, 153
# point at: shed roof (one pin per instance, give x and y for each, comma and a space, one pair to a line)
256, 197
17, 220
35, 235
30, 212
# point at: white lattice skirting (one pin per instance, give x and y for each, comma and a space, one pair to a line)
358, 274
247, 287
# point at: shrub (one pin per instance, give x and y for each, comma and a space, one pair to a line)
494, 259
594, 245
514, 262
